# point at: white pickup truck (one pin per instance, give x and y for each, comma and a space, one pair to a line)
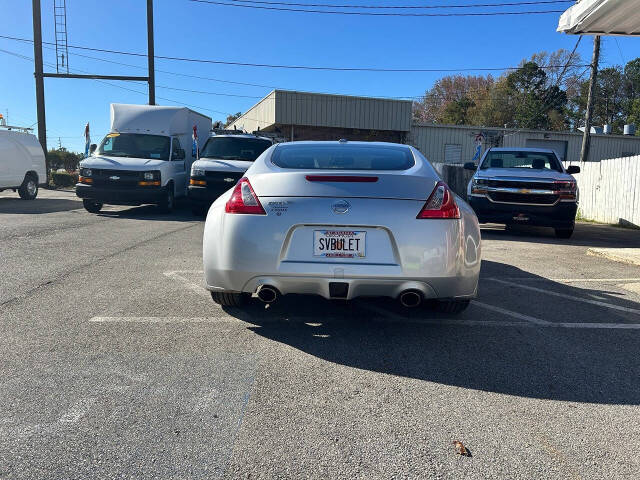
145, 158
22, 164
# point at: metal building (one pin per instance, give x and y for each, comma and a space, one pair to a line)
318, 116
458, 144
291, 116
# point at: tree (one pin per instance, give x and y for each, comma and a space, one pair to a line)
62, 158
232, 118
457, 112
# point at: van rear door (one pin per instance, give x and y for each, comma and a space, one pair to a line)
12, 162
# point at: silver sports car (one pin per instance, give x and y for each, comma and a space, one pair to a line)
342, 220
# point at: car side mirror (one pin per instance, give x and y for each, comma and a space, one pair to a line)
571, 169
470, 166
92, 148
179, 154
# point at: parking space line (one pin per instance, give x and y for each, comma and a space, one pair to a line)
199, 289
510, 313
567, 280
569, 297
164, 320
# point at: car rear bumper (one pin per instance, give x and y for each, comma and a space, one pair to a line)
560, 215
432, 288
121, 196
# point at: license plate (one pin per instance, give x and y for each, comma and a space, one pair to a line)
339, 243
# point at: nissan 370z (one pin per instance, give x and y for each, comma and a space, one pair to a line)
342, 220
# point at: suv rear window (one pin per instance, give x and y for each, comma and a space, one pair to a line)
234, 148
342, 157
520, 159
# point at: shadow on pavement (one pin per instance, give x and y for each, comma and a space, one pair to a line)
579, 365
585, 234
17, 206
181, 213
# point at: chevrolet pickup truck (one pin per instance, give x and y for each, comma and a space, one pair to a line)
526, 186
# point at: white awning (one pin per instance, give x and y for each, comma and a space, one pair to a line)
602, 17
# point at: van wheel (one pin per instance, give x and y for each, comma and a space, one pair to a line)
451, 306
91, 206
166, 205
564, 232
228, 299
29, 188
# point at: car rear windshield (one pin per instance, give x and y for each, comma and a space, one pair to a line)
234, 148
343, 157
524, 160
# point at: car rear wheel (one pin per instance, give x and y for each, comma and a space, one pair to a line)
29, 188
564, 232
91, 206
451, 306
230, 299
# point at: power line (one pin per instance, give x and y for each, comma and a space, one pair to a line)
377, 14
294, 67
403, 7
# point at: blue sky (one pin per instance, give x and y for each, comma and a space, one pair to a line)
188, 29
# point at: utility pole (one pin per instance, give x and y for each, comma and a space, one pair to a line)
150, 54
37, 55
586, 137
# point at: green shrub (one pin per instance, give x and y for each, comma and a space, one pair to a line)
63, 179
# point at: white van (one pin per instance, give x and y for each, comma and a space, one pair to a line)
22, 164
145, 158
223, 160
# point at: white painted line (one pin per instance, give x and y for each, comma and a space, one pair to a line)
569, 280
199, 289
164, 320
619, 326
569, 297
504, 311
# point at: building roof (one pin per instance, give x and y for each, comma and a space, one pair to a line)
285, 107
602, 17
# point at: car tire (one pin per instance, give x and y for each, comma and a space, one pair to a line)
451, 306
167, 203
29, 188
91, 206
564, 232
230, 299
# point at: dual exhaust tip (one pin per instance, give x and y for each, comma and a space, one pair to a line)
408, 298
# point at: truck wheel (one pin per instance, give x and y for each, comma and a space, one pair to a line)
451, 306
228, 299
29, 188
166, 205
91, 206
564, 232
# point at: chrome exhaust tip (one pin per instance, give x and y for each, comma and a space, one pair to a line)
410, 298
268, 294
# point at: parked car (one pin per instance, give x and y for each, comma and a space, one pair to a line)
342, 220
223, 161
526, 186
145, 158
22, 163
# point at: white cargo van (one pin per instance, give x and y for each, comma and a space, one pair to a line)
22, 164
145, 158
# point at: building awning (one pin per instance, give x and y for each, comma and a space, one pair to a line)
602, 17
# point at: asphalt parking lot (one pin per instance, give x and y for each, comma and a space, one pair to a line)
115, 363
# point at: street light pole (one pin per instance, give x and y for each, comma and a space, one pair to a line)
586, 137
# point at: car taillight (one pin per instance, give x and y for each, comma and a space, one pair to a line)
341, 178
244, 200
441, 204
